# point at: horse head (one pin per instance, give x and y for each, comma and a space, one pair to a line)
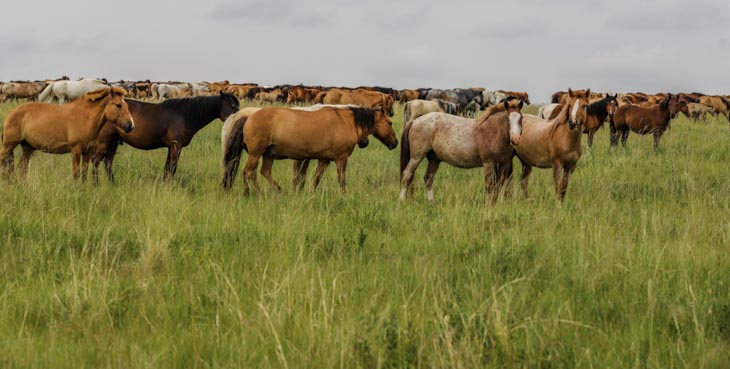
611, 104
378, 123
116, 110
229, 105
513, 107
578, 108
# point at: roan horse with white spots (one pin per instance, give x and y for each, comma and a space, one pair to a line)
554, 143
465, 143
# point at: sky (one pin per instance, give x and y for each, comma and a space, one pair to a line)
522, 45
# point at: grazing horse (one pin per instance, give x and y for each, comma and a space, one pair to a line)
641, 120
62, 129
62, 91
366, 99
597, 114
171, 124
327, 134
461, 142
554, 143
20, 90
697, 111
417, 108
162, 91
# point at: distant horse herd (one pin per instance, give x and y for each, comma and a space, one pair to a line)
464, 127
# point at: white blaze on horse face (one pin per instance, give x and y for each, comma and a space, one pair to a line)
574, 113
515, 124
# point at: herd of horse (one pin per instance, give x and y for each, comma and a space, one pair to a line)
466, 128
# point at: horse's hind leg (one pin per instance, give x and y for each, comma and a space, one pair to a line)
321, 167
657, 136
28, 151
76, 152
433, 166
504, 178
406, 181
85, 158
614, 135
567, 172
7, 156
173, 155
249, 173
590, 138
624, 136
525, 179
266, 172
490, 182
300, 173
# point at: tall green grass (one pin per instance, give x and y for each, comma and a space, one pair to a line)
632, 271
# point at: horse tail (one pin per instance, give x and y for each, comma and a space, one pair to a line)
232, 148
405, 147
45, 95
407, 113
320, 97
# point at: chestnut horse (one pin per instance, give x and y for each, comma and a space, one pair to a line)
366, 99
327, 134
597, 114
171, 124
60, 129
554, 143
641, 120
465, 143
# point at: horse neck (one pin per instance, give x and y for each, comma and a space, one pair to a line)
97, 113
203, 118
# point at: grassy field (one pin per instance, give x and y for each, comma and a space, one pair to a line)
632, 271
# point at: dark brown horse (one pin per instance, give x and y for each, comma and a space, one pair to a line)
597, 114
171, 124
641, 120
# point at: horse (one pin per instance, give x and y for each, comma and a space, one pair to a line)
520, 95
459, 96
493, 97
62, 129
697, 111
554, 143
327, 134
641, 120
417, 108
407, 95
62, 91
597, 113
461, 142
719, 105
270, 97
162, 91
21, 90
363, 98
171, 124
200, 89
549, 111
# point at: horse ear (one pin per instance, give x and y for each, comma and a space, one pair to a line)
506, 105
570, 92
522, 103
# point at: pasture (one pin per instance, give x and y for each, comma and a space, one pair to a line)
631, 271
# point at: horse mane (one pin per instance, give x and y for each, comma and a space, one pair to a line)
442, 105
664, 104
194, 109
599, 106
364, 117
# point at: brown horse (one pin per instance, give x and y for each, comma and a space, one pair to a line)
171, 124
270, 97
554, 143
465, 143
21, 90
517, 94
597, 114
60, 129
366, 99
327, 134
641, 120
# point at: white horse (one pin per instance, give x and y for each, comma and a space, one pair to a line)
493, 97
417, 108
69, 90
162, 91
546, 111
200, 89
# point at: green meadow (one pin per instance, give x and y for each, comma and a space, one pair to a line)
631, 271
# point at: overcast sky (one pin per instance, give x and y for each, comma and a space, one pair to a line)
529, 45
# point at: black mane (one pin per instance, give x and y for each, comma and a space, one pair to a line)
599, 107
197, 110
364, 118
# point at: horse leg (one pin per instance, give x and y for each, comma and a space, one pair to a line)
433, 166
504, 179
266, 172
558, 177
525, 180
567, 172
28, 151
321, 166
8, 158
590, 138
490, 182
624, 136
657, 136
85, 158
173, 154
406, 182
76, 152
175, 158
300, 173
341, 170
111, 151
249, 173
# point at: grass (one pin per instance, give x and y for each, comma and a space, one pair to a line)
632, 271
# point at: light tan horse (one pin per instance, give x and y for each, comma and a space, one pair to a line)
366, 99
554, 143
326, 134
60, 129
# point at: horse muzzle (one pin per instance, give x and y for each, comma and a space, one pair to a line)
573, 125
393, 145
514, 140
129, 127
364, 143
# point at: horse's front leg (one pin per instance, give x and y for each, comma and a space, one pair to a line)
490, 182
525, 179
341, 170
557, 176
76, 152
567, 172
173, 154
85, 158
